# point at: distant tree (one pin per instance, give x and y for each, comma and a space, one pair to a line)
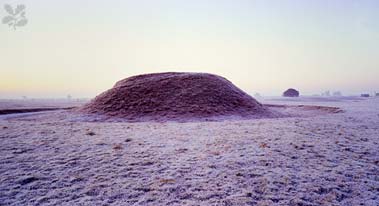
326, 93
291, 93
365, 95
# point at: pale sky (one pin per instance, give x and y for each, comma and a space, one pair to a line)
82, 47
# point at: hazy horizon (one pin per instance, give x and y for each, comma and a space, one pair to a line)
81, 48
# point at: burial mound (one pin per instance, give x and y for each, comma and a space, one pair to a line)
174, 96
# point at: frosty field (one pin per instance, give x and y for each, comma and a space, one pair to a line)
51, 158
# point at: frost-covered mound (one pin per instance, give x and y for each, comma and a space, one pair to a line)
174, 96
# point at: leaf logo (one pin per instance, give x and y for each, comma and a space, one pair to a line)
16, 17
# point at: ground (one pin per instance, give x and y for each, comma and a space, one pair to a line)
51, 158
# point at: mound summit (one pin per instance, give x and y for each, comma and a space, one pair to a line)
174, 96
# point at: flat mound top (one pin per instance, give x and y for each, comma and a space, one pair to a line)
174, 96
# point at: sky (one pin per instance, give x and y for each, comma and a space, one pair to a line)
82, 47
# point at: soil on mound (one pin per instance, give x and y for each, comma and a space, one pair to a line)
175, 96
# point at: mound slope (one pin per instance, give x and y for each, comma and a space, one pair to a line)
174, 96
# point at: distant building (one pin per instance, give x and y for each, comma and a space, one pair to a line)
337, 93
377, 94
365, 95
